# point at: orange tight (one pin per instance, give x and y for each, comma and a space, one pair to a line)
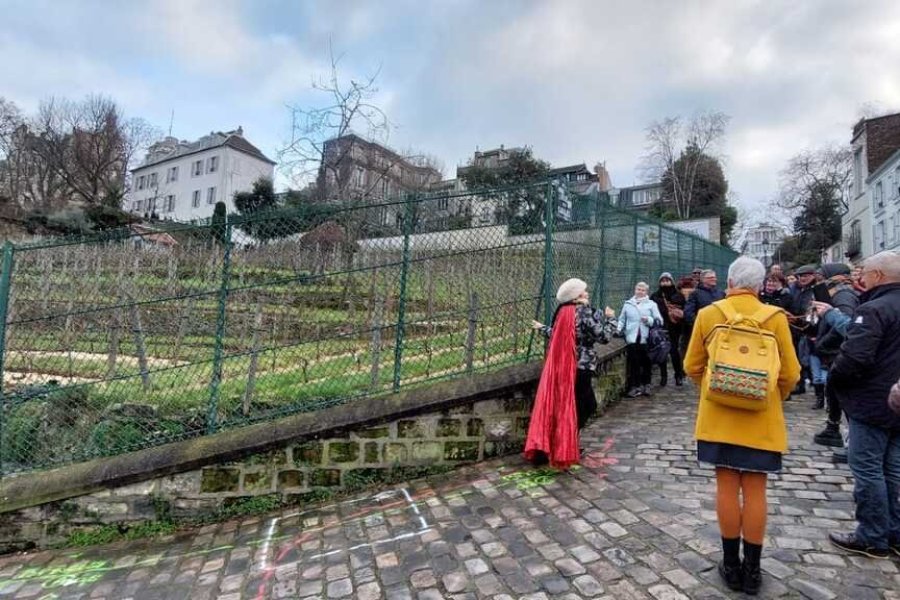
735, 520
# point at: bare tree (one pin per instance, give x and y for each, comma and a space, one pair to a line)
349, 108
676, 148
829, 167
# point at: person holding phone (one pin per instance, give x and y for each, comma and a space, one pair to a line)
837, 291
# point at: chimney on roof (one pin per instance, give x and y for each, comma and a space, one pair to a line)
603, 179
240, 131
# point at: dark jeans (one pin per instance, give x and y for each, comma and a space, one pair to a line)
874, 458
638, 365
585, 400
833, 403
674, 355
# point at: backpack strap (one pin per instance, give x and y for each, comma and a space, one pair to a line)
726, 309
765, 313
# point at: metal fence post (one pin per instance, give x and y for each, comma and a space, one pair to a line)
5, 282
662, 265
548, 253
219, 348
599, 290
401, 302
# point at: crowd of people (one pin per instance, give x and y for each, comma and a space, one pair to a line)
831, 329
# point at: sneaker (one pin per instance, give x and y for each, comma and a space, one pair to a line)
830, 436
848, 542
634, 392
646, 391
895, 548
731, 575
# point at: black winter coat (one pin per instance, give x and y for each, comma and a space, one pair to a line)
828, 339
869, 361
700, 299
673, 297
782, 299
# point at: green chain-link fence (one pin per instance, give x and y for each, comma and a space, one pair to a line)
144, 337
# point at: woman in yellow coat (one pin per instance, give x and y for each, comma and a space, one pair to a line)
743, 445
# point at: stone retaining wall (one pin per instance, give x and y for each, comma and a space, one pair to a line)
485, 425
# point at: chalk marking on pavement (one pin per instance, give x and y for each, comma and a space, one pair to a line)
415, 508
264, 550
402, 536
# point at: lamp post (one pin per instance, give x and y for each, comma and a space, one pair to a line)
765, 245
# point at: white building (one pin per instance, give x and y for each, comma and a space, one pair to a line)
884, 185
874, 142
182, 180
762, 241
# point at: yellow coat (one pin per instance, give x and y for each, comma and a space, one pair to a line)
765, 429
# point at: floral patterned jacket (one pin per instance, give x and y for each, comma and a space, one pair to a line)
591, 327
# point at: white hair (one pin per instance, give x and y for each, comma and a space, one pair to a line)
746, 273
886, 261
642, 284
707, 272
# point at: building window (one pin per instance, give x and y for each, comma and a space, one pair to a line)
211, 195
170, 203
897, 182
443, 203
879, 235
136, 206
879, 195
198, 168
212, 164
195, 201
172, 175
153, 180
142, 181
857, 171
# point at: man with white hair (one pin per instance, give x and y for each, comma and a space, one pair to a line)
862, 375
705, 294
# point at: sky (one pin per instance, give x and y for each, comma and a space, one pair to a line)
576, 80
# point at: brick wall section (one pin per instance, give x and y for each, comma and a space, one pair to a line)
299, 471
882, 139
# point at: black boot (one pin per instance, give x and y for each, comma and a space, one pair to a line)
751, 576
820, 396
679, 380
830, 436
730, 567
801, 387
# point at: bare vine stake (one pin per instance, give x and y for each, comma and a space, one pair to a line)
116, 324
470, 334
138, 332
67, 336
254, 359
377, 320
46, 281
184, 320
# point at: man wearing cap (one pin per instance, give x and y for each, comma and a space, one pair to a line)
803, 297
828, 343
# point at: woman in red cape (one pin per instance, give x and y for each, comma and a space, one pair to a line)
565, 396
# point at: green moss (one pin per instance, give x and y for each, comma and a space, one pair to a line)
106, 534
214, 481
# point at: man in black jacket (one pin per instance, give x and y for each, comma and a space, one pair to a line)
800, 331
863, 372
705, 294
828, 342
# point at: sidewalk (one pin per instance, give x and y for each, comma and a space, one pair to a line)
637, 520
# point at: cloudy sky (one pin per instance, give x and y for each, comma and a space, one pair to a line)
578, 81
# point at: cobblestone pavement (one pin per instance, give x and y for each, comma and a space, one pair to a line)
636, 520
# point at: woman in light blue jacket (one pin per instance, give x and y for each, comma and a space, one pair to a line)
637, 316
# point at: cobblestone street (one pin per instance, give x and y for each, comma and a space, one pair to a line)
637, 520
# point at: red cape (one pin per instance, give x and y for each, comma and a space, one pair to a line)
553, 428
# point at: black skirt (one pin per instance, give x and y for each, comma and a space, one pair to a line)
739, 458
